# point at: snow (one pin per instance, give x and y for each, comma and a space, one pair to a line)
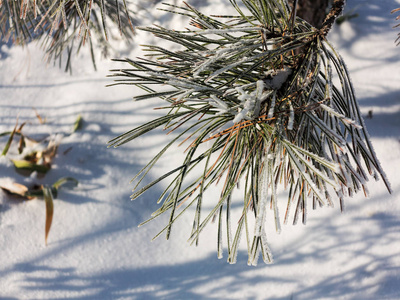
251, 103
96, 251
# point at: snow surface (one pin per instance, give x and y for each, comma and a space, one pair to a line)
95, 249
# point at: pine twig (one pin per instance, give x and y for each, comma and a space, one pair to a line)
258, 88
397, 41
335, 11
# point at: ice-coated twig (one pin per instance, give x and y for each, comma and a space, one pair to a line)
222, 107
340, 116
228, 30
251, 102
263, 199
293, 124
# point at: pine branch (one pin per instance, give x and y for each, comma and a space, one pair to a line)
58, 23
259, 90
335, 11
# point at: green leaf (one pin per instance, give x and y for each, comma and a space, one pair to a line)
7, 147
78, 123
69, 181
27, 165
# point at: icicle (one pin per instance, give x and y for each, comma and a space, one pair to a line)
204, 65
328, 198
226, 68
218, 103
178, 82
220, 255
221, 53
297, 165
260, 88
366, 191
232, 259
340, 116
220, 31
184, 95
313, 117
329, 82
263, 199
266, 251
344, 171
291, 117
186, 84
228, 225
351, 192
273, 196
254, 262
219, 242
237, 63
270, 45
340, 196
251, 103
304, 207
265, 95
255, 253
241, 87
238, 117
272, 106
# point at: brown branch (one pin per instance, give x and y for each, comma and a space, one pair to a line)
336, 10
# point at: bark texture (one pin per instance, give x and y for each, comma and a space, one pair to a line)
313, 11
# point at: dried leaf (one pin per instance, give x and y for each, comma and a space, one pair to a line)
15, 189
21, 144
20, 127
33, 157
49, 153
395, 10
30, 143
67, 151
48, 198
41, 120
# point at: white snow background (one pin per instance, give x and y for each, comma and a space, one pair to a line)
96, 251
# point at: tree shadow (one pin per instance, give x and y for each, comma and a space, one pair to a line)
382, 114
295, 275
372, 18
328, 243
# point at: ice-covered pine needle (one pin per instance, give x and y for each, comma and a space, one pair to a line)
64, 25
258, 89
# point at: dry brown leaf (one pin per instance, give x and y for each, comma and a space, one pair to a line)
50, 152
48, 198
15, 189
41, 120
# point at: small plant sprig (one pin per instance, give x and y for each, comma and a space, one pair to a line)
45, 192
259, 88
35, 157
396, 26
62, 25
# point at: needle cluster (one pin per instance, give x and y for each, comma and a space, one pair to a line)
259, 88
62, 25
